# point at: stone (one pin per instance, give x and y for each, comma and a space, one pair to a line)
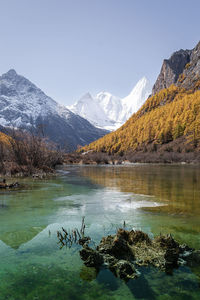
138, 236
84, 240
91, 257
125, 270
114, 245
120, 253
181, 69
171, 69
171, 257
193, 259
166, 242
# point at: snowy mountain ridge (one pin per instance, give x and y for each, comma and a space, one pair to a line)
108, 111
23, 105
21, 102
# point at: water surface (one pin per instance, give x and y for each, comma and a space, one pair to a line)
152, 198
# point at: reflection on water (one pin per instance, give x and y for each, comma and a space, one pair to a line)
152, 198
179, 185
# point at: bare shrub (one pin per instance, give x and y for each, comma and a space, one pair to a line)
27, 153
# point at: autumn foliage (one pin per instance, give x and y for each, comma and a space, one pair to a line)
166, 116
26, 154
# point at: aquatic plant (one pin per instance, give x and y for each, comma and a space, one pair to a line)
74, 236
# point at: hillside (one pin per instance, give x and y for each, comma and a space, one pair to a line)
4, 140
23, 105
170, 118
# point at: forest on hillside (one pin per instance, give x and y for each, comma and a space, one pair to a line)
170, 114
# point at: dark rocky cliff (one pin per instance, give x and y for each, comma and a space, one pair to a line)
182, 68
171, 69
191, 72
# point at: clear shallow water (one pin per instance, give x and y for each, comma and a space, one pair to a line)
152, 198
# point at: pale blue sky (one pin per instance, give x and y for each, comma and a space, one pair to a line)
69, 47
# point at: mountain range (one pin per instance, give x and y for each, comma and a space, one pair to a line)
170, 114
108, 111
23, 105
170, 118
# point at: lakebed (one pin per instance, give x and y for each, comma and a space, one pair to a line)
151, 198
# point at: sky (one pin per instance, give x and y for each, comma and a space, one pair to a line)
70, 47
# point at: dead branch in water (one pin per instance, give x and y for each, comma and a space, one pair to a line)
75, 236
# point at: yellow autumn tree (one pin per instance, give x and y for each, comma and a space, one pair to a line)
170, 114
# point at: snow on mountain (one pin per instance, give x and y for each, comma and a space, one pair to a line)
112, 107
135, 99
108, 111
21, 102
23, 105
89, 109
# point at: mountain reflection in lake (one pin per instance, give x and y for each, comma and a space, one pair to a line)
152, 198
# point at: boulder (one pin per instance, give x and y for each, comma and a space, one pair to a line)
125, 270
91, 257
114, 245
193, 259
166, 242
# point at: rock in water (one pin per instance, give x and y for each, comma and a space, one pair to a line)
125, 270
91, 257
122, 252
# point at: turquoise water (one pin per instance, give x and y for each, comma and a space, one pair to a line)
152, 198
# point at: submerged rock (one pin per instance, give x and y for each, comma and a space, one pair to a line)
121, 253
91, 257
84, 240
114, 245
171, 259
193, 258
125, 270
138, 236
166, 242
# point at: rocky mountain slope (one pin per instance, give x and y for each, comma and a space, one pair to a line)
25, 106
108, 111
183, 62
170, 118
191, 72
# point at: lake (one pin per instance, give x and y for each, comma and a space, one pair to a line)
153, 198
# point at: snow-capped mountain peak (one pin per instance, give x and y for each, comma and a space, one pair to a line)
89, 109
141, 89
136, 98
24, 105
87, 96
23, 100
108, 111
11, 73
111, 106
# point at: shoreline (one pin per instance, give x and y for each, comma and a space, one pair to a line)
118, 161
37, 175
88, 162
